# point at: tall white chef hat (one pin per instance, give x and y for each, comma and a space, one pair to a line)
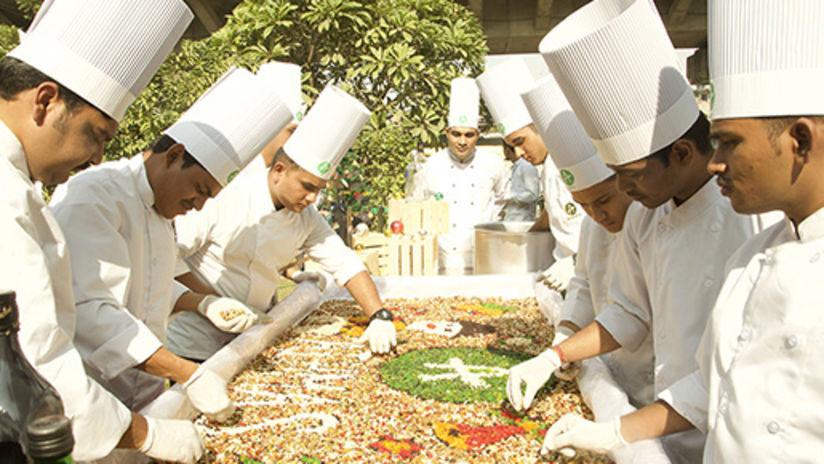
568, 144
328, 130
105, 51
619, 72
285, 78
766, 58
463, 103
231, 122
501, 87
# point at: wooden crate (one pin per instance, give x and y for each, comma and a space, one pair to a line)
399, 254
431, 216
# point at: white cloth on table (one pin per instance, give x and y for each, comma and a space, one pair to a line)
36, 266
123, 261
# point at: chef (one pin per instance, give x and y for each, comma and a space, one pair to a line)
62, 93
471, 180
118, 220
592, 185
501, 87
643, 119
524, 187
757, 390
241, 252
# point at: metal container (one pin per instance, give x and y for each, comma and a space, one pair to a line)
507, 248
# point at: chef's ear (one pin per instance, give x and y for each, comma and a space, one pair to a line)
174, 153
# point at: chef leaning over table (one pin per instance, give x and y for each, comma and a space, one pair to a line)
471, 180
241, 252
501, 87
757, 390
619, 72
118, 221
592, 184
63, 92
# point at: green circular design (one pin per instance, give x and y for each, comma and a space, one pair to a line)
502, 128
298, 115
462, 118
404, 373
570, 209
232, 175
567, 176
323, 167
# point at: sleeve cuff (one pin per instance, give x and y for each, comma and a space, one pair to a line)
625, 328
689, 398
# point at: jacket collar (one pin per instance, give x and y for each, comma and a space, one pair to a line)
811, 228
12, 150
463, 162
141, 180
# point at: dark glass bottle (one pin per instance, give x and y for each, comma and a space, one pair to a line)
50, 440
24, 395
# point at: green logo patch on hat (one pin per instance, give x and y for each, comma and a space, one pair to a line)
567, 176
232, 175
323, 167
462, 118
502, 128
298, 115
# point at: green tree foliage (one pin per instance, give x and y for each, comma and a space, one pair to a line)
396, 56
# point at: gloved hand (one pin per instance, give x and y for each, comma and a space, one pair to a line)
381, 336
207, 392
230, 315
574, 431
534, 373
172, 440
558, 275
316, 277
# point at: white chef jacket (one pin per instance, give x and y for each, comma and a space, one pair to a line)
669, 269
587, 296
238, 250
524, 189
758, 388
123, 262
475, 189
36, 266
565, 215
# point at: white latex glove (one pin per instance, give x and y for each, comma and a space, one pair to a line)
172, 440
207, 392
558, 275
214, 307
316, 277
573, 431
381, 336
534, 373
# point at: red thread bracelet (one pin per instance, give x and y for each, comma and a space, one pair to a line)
560, 353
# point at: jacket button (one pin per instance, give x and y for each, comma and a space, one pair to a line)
661, 227
743, 337
715, 227
815, 258
791, 342
708, 283
773, 427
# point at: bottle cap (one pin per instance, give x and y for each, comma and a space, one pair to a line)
50, 437
8, 311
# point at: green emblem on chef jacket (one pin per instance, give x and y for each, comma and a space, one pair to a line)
567, 176
323, 167
232, 176
439, 196
570, 208
502, 128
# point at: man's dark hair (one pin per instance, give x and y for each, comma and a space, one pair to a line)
17, 76
776, 125
164, 142
285, 159
698, 133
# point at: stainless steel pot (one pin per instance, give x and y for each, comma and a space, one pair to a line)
507, 248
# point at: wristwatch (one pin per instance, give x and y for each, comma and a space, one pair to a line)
382, 314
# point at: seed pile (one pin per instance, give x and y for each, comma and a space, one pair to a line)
311, 397
229, 314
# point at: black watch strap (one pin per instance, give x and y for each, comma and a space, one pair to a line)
382, 314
